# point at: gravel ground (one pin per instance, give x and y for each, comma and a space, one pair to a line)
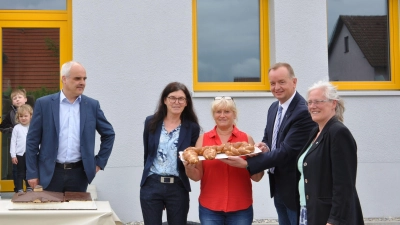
272, 221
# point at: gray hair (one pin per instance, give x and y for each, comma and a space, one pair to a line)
330, 93
66, 68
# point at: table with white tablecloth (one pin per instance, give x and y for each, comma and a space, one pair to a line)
102, 215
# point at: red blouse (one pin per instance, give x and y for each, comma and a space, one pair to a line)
223, 187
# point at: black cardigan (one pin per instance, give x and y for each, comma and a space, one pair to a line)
330, 169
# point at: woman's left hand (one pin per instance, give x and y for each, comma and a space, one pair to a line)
188, 165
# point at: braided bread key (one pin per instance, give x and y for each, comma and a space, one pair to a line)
190, 156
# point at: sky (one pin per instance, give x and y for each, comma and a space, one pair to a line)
228, 39
33, 4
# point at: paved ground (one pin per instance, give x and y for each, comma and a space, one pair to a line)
368, 221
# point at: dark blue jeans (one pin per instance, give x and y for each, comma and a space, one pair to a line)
21, 173
210, 217
286, 216
155, 196
15, 174
68, 180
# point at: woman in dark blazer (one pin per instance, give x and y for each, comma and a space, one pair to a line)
328, 164
173, 127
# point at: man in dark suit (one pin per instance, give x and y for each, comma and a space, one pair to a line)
292, 132
61, 137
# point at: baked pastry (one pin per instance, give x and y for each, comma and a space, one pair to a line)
210, 152
190, 156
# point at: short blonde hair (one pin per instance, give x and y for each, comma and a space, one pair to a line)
224, 103
18, 92
23, 109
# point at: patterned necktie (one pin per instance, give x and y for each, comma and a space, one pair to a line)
275, 132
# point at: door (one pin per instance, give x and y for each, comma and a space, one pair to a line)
34, 43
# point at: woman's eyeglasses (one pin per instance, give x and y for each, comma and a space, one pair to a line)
173, 99
223, 97
317, 102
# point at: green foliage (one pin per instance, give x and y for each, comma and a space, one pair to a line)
41, 92
35, 93
53, 47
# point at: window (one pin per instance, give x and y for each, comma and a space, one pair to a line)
370, 30
230, 45
36, 38
34, 4
346, 44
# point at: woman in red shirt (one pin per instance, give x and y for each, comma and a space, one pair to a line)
226, 191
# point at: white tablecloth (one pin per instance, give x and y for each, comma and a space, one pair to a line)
102, 215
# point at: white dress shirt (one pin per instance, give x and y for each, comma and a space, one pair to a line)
69, 138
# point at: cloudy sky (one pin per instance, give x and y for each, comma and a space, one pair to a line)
33, 4
228, 39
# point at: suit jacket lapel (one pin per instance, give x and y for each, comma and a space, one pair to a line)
182, 133
316, 143
83, 113
55, 106
289, 111
154, 138
321, 135
271, 125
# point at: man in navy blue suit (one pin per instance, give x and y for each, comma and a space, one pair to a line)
293, 131
61, 137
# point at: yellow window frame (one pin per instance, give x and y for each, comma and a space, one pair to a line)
263, 85
394, 83
61, 19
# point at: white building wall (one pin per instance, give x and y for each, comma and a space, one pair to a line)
133, 48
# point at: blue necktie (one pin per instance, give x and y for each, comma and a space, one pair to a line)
275, 132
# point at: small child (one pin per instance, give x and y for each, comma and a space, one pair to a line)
18, 98
18, 144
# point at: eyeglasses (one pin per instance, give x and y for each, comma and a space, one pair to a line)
223, 97
317, 102
173, 99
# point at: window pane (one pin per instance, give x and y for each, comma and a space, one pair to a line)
34, 4
30, 61
358, 40
228, 41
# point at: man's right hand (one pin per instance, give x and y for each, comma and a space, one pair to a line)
33, 182
262, 146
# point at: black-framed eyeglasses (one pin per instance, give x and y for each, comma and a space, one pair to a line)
223, 97
173, 99
317, 102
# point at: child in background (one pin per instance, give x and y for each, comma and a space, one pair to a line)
18, 144
18, 98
